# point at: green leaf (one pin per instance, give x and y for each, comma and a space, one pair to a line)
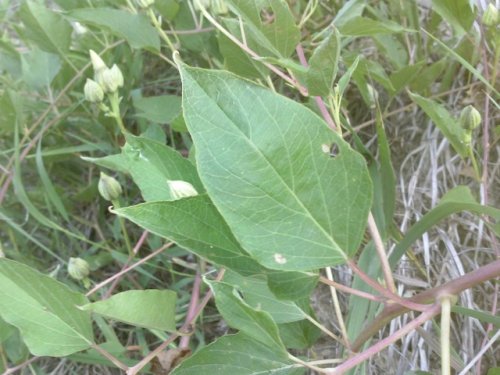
350, 9
262, 160
450, 128
134, 28
238, 354
271, 23
117, 162
44, 310
256, 324
323, 65
292, 285
363, 26
161, 109
151, 164
39, 68
257, 294
152, 308
299, 335
50, 31
456, 200
195, 224
480, 315
458, 13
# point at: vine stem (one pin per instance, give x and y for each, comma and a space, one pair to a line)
193, 303
355, 360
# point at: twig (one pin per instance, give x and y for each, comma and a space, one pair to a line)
193, 303
122, 272
352, 291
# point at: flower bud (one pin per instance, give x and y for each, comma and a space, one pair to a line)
181, 189
78, 268
108, 187
490, 15
93, 91
470, 118
97, 63
144, 3
111, 79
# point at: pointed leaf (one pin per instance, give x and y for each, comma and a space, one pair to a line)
153, 309
323, 65
238, 354
363, 26
195, 224
262, 159
44, 310
239, 315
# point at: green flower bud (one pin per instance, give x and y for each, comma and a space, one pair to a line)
470, 118
78, 268
112, 79
108, 187
219, 6
181, 189
144, 3
490, 15
93, 91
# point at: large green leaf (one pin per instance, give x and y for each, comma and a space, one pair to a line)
271, 23
144, 308
160, 109
194, 224
255, 323
265, 162
238, 354
44, 310
134, 28
458, 13
47, 29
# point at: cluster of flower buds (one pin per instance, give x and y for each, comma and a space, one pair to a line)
106, 80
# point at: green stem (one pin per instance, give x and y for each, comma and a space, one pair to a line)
116, 204
474, 164
114, 100
162, 33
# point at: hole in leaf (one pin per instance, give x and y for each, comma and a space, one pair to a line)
267, 16
331, 150
279, 258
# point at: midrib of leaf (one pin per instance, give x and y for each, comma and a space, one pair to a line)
253, 146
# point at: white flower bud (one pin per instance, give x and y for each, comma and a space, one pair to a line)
108, 187
181, 189
93, 91
111, 79
144, 3
97, 63
78, 268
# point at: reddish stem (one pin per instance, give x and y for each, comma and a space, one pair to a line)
193, 303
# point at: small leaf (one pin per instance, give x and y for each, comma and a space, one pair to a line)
161, 109
445, 122
257, 294
152, 308
44, 310
238, 354
239, 315
323, 65
271, 23
50, 31
195, 224
363, 26
134, 28
261, 158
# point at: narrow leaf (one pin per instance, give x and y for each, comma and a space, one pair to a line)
44, 310
153, 309
445, 122
262, 159
363, 26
